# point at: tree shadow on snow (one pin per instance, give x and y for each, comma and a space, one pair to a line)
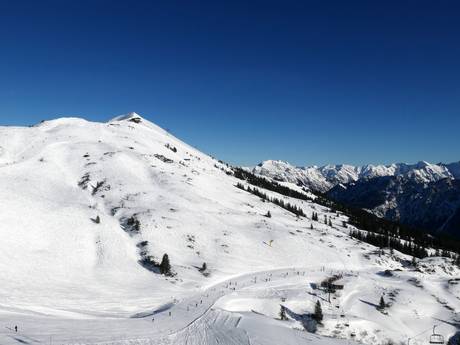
305, 319
369, 303
161, 309
19, 340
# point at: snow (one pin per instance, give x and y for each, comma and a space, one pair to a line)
67, 279
324, 178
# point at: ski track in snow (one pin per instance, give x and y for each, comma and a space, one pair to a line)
192, 321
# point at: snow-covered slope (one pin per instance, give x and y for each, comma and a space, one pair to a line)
84, 204
324, 178
434, 205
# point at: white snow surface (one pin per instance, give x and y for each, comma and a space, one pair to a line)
68, 279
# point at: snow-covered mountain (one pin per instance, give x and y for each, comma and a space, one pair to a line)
421, 195
89, 209
432, 206
323, 178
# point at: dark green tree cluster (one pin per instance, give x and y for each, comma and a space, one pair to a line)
314, 216
133, 224
384, 240
279, 202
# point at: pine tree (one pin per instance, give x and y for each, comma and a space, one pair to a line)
282, 313
165, 266
314, 216
204, 267
268, 214
382, 304
330, 222
311, 226
318, 315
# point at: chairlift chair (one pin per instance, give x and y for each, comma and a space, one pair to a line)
436, 338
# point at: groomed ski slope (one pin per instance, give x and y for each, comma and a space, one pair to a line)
67, 278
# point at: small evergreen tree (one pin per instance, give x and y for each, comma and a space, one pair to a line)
165, 266
382, 304
268, 215
318, 315
282, 313
414, 262
311, 226
204, 267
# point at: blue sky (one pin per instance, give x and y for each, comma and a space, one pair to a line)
310, 82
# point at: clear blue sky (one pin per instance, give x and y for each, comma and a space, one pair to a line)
310, 82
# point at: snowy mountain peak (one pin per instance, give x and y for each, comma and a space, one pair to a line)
274, 162
422, 164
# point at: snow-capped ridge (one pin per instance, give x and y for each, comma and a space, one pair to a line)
325, 177
62, 120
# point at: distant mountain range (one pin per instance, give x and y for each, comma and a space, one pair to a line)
322, 179
423, 194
